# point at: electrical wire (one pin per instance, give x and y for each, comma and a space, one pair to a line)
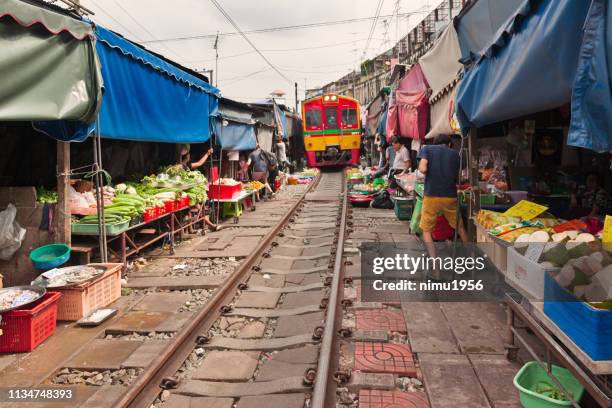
279, 28
125, 29
131, 17
231, 21
373, 26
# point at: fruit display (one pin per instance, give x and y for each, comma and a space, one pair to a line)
252, 185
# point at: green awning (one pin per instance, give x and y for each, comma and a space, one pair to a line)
49, 67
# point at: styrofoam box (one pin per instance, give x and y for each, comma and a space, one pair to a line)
526, 276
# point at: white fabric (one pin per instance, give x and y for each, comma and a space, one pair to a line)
281, 152
441, 113
441, 64
264, 138
401, 157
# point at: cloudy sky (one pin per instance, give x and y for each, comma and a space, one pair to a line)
309, 56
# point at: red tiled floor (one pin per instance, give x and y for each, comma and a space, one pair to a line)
392, 399
380, 319
384, 358
391, 299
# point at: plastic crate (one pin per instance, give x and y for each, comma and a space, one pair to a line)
170, 206
161, 210
223, 192
403, 208
24, 329
487, 199
531, 377
185, 201
150, 213
588, 327
79, 301
92, 229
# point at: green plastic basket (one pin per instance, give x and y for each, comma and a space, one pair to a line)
531, 377
92, 229
487, 199
403, 208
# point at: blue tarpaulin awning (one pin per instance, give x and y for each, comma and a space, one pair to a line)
235, 134
148, 99
591, 125
529, 67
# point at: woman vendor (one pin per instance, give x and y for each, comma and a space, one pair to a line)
188, 165
590, 200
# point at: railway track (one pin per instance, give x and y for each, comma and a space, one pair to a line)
289, 289
266, 333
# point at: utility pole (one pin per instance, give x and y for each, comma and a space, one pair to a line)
216, 47
296, 98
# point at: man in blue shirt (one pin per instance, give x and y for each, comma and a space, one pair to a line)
440, 164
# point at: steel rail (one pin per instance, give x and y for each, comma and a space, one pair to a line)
324, 378
146, 388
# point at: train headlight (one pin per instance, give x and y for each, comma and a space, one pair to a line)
326, 98
334, 97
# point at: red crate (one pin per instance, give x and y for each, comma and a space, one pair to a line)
169, 206
223, 192
161, 210
185, 201
24, 329
150, 213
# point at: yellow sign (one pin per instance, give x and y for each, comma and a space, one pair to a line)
606, 236
525, 209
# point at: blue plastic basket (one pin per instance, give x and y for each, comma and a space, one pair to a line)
50, 256
588, 327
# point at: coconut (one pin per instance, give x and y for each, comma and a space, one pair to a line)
606, 258
593, 263
576, 249
595, 293
539, 236
572, 234
555, 253
603, 278
570, 276
585, 237
521, 243
560, 236
580, 291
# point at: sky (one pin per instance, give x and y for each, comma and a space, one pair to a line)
310, 56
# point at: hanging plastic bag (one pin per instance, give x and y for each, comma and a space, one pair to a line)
11, 233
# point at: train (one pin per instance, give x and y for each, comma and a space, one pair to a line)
332, 130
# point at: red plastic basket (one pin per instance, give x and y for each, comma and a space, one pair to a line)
150, 213
169, 206
223, 192
161, 210
24, 329
185, 201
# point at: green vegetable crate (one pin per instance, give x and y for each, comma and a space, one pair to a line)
403, 208
537, 390
92, 229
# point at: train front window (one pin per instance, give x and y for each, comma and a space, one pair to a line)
349, 117
313, 118
331, 117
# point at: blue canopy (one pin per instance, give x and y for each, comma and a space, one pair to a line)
479, 22
591, 125
529, 67
235, 135
149, 99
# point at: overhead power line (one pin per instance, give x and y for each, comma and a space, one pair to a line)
373, 26
280, 28
233, 23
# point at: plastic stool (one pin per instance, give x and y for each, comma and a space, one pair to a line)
232, 209
247, 203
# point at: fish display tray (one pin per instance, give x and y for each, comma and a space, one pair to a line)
80, 300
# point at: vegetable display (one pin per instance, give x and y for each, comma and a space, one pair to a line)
45, 196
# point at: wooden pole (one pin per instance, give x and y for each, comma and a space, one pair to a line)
63, 234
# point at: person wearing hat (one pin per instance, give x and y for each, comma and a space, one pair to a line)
186, 162
188, 165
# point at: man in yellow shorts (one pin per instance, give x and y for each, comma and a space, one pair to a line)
440, 164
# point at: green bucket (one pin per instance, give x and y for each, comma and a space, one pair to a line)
532, 378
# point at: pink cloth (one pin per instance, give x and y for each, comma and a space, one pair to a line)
408, 114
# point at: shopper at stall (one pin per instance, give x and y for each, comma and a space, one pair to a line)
186, 158
590, 200
440, 165
259, 167
281, 153
401, 161
388, 158
188, 165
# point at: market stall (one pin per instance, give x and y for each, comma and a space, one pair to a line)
556, 257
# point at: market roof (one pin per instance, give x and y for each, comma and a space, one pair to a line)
521, 72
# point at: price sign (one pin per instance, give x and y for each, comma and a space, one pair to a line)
534, 251
606, 236
525, 210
